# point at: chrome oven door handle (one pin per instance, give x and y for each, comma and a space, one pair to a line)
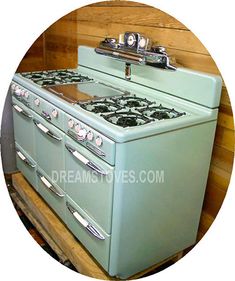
85, 161
24, 159
48, 185
21, 111
88, 226
46, 131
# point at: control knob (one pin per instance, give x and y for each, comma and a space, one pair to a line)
54, 113
77, 127
18, 92
70, 123
37, 102
98, 141
90, 136
81, 135
23, 93
26, 94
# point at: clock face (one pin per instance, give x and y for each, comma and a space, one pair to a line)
142, 42
131, 40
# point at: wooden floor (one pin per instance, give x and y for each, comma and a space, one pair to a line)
59, 238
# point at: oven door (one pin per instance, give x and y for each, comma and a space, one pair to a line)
23, 127
89, 183
49, 147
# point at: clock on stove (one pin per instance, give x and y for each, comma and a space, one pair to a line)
135, 41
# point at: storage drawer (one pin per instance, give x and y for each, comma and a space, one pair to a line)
89, 183
51, 192
26, 165
49, 147
23, 127
93, 237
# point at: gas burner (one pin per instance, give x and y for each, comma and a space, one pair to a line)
54, 77
34, 76
79, 78
132, 101
126, 119
49, 81
100, 106
160, 112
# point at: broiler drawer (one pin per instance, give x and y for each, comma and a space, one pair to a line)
51, 193
26, 165
91, 235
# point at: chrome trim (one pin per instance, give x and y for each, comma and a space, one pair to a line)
119, 55
95, 150
72, 134
88, 226
46, 131
50, 187
25, 159
95, 168
85, 161
21, 111
46, 116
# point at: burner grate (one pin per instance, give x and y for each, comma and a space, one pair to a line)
55, 77
100, 106
160, 112
127, 119
133, 101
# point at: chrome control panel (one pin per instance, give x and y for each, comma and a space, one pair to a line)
97, 143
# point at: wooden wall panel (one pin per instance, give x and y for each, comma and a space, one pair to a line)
90, 24
34, 57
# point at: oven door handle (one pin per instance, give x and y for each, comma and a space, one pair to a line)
88, 226
46, 131
48, 185
21, 111
24, 159
85, 161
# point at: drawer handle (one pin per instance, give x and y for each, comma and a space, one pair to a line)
85, 161
21, 111
48, 185
25, 160
89, 227
46, 131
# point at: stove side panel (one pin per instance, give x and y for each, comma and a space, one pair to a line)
154, 220
7, 138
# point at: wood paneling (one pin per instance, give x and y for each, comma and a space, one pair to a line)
90, 24
131, 14
34, 57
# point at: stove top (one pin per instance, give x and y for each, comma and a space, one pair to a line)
130, 110
115, 105
96, 95
56, 77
